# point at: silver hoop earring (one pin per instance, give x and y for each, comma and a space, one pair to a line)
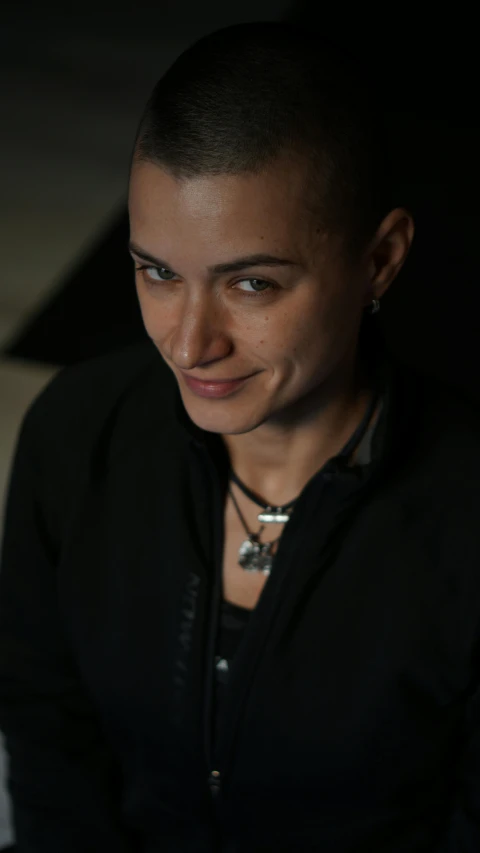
374, 306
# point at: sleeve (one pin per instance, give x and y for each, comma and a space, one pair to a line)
62, 781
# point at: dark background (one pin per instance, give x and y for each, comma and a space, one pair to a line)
428, 78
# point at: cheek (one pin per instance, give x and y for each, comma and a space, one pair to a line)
154, 319
307, 328
315, 337
148, 317
147, 314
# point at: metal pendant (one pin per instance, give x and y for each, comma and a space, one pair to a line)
275, 516
254, 556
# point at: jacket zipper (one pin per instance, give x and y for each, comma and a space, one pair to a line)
214, 777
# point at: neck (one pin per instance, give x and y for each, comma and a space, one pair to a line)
278, 459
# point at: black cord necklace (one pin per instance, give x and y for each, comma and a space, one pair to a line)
255, 556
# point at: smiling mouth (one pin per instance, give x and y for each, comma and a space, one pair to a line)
216, 381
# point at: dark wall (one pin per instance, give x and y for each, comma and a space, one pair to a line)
428, 77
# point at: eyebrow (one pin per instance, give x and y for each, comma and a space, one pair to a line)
258, 260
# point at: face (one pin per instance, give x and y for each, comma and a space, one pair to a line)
289, 323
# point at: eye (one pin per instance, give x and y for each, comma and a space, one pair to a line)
153, 273
260, 281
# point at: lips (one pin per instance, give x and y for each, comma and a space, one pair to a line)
215, 381
214, 387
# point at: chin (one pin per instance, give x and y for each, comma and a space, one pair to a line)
223, 423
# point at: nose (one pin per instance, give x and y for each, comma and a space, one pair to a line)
198, 336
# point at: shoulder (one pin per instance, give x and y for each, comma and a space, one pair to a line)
447, 420
100, 403
86, 412
93, 381
436, 429
79, 398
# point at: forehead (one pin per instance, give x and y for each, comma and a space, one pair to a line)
266, 208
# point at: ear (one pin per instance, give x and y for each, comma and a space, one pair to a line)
387, 252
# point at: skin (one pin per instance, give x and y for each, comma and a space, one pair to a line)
299, 337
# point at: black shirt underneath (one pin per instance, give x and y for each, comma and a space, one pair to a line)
232, 624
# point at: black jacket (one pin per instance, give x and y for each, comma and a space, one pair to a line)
352, 718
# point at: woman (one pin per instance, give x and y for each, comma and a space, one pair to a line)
239, 593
